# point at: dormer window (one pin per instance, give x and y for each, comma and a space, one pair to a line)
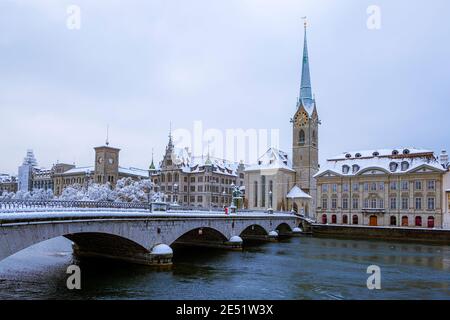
406, 152
393, 166
345, 169
358, 155
355, 168
395, 152
405, 165
376, 154
348, 155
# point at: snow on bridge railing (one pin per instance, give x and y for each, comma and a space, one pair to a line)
8, 205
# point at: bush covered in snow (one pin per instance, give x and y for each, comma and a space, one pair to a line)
126, 190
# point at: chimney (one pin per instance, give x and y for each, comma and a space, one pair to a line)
444, 158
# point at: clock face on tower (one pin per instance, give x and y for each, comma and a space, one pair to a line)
100, 160
301, 119
111, 161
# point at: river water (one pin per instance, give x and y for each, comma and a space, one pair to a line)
298, 268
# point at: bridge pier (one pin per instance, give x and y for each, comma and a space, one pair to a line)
234, 244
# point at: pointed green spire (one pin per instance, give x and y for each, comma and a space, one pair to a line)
305, 88
152, 165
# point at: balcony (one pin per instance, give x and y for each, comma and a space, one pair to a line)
373, 210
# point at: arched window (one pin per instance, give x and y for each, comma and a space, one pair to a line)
163, 178
345, 219
430, 222
418, 221
301, 137
355, 219
255, 195
314, 137
393, 220
169, 177
324, 219
405, 221
177, 177
333, 219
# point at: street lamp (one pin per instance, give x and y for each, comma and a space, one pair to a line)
175, 190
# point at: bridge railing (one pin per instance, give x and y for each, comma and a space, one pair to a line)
56, 204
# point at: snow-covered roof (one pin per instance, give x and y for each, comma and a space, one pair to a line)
273, 159
196, 164
390, 161
79, 170
134, 172
297, 193
399, 152
6, 178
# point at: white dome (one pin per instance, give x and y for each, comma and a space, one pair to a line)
236, 239
273, 234
297, 230
162, 249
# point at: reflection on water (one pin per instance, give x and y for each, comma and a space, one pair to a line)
299, 268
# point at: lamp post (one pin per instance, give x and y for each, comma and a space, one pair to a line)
175, 191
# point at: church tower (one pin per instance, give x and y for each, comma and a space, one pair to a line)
305, 142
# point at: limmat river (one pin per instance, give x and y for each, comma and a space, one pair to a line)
298, 268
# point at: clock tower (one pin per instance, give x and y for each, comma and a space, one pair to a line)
305, 142
106, 164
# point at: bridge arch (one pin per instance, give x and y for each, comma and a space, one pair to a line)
204, 235
283, 229
253, 230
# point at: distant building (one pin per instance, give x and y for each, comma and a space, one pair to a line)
25, 174
443, 159
391, 187
105, 170
201, 181
7, 183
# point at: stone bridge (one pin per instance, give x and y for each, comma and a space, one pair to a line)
137, 235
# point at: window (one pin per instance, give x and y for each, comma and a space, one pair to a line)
381, 203
381, 186
301, 137
345, 203
405, 165
405, 185
418, 185
431, 185
255, 197
192, 179
334, 187
324, 188
334, 203
373, 186
366, 186
366, 203
345, 169
200, 198
393, 203
393, 166
418, 203
345, 219
393, 220
192, 188
263, 191
345, 187
431, 203
418, 221
325, 203
355, 186
355, 219
355, 168
355, 203
200, 188
192, 199
393, 185
373, 203
405, 203
324, 219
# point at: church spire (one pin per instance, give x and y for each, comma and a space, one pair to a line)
305, 88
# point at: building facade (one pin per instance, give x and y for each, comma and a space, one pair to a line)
25, 174
276, 181
196, 181
445, 190
106, 169
398, 188
8, 184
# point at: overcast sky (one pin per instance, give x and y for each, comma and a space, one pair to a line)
137, 65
